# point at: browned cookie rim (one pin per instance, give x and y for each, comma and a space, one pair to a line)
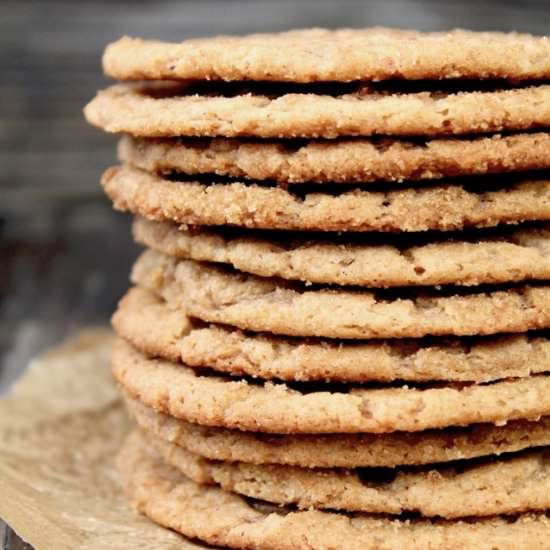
347, 54
495, 486
145, 320
445, 207
343, 450
276, 408
258, 304
498, 257
339, 161
219, 517
136, 109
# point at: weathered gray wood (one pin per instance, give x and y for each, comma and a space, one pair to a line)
10, 540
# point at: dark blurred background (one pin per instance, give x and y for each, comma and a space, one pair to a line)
64, 255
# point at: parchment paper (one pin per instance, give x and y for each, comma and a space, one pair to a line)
60, 429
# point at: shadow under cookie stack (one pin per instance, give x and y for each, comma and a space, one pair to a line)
335, 338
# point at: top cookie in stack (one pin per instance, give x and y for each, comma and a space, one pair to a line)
347, 250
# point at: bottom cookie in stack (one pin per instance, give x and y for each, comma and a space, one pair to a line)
334, 490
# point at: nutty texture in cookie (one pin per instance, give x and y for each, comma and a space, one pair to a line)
171, 110
490, 256
281, 307
220, 401
443, 207
506, 485
346, 54
219, 517
339, 161
342, 450
150, 325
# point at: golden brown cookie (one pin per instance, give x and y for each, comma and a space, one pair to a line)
507, 485
280, 307
219, 517
335, 161
499, 256
444, 207
345, 54
172, 109
343, 450
146, 321
219, 401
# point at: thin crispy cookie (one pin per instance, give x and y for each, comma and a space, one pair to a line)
345, 54
346, 160
509, 485
148, 110
279, 307
507, 256
146, 321
343, 450
217, 401
445, 207
219, 517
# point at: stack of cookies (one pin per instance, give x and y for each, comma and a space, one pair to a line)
335, 338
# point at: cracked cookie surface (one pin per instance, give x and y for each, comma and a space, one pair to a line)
343, 450
340, 161
150, 325
281, 307
219, 517
506, 485
443, 207
170, 109
347, 54
211, 400
492, 256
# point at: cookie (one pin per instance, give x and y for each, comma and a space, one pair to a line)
444, 207
509, 485
219, 401
172, 109
346, 160
280, 307
342, 450
489, 257
219, 517
146, 321
347, 54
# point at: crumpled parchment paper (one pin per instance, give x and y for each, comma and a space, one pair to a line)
60, 429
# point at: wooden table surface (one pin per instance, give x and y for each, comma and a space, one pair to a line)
64, 255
